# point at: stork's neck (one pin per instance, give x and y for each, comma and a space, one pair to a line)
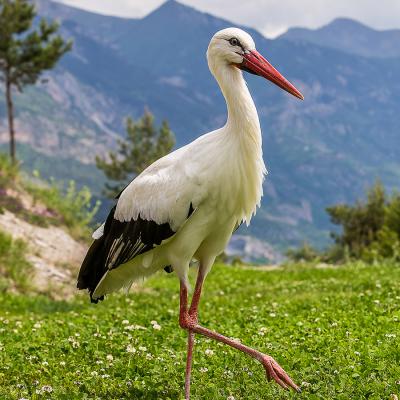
242, 119
242, 138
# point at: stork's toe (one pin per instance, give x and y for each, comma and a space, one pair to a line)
275, 372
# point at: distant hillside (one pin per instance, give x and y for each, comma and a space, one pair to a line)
324, 150
351, 36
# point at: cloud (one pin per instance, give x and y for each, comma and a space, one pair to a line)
121, 8
271, 17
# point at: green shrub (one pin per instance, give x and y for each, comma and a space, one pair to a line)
387, 242
370, 231
15, 270
74, 206
8, 171
305, 253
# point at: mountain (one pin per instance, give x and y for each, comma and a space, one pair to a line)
350, 36
319, 152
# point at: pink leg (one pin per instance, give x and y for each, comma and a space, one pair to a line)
189, 321
189, 363
182, 317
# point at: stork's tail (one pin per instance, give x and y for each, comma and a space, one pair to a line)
93, 268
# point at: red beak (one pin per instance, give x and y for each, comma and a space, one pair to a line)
255, 63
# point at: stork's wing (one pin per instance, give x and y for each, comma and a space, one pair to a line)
149, 210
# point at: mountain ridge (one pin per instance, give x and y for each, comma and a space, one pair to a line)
351, 36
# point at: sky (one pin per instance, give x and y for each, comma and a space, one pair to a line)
271, 17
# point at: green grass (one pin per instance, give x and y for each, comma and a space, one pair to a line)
336, 329
14, 268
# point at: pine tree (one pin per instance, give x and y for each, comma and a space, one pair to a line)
143, 145
360, 222
25, 52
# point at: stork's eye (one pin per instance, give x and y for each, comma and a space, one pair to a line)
234, 42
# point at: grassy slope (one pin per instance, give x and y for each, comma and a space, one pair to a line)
14, 268
332, 328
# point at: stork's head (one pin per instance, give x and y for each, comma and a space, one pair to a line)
235, 48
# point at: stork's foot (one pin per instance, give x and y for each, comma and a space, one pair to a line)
275, 372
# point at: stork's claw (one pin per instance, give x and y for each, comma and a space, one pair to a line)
275, 372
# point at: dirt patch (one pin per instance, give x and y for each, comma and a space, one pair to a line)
53, 253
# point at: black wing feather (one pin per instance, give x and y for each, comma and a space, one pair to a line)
120, 243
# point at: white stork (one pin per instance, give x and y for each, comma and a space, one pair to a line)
186, 205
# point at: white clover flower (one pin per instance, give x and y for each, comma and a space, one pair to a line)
105, 376
357, 353
125, 322
47, 389
203, 369
142, 348
273, 315
62, 363
133, 327
130, 349
110, 357
230, 398
74, 343
305, 384
45, 363
156, 327
209, 352
94, 373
